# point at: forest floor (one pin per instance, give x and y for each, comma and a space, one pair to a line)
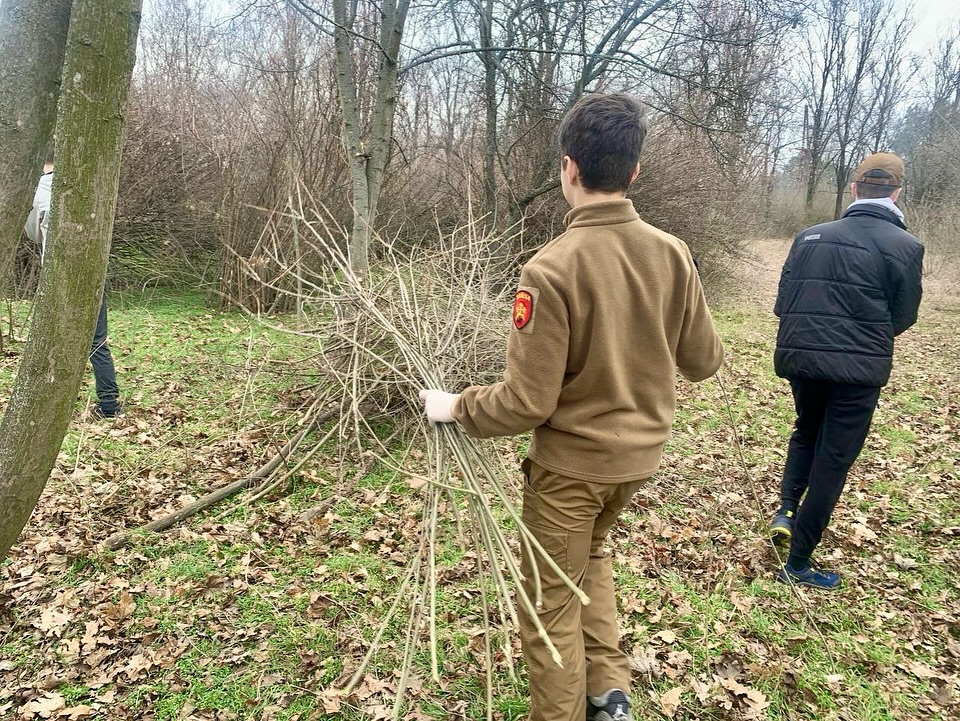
260, 610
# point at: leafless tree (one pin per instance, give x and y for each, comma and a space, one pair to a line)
888, 82
396, 133
367, 40
853, 104
930, 131
826, 39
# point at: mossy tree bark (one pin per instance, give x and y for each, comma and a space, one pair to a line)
33, 34
98, 63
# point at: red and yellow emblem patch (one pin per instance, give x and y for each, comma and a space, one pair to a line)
522, 309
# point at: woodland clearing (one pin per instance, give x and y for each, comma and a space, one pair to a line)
261, 610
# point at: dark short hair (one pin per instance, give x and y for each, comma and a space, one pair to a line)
872, 191
604, 135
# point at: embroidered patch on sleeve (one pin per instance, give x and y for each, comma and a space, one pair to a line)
522, 309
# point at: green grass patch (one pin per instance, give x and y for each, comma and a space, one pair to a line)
266, 610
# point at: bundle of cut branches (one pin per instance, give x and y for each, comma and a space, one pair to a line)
425, 317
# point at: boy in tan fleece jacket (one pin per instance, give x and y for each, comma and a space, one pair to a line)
604, 317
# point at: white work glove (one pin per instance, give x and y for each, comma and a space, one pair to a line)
438, 405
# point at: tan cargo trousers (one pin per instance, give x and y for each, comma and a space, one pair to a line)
571, 519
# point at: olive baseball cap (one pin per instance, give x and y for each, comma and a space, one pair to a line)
880, 169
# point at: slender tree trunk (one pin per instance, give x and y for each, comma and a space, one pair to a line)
829, 49
490, 122
385, 107
818, 142
356, 155
367, 153
293, 170
842, 172
98, 63
856, 104
33, 34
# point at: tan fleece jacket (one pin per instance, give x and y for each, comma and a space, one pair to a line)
606, 314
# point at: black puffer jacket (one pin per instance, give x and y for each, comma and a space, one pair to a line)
847, 288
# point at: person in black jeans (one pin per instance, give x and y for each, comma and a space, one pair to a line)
104, 373
848, 287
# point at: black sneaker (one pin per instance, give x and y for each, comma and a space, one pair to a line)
611, 706
108, 409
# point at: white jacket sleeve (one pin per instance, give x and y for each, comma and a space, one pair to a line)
32, 226
39, 219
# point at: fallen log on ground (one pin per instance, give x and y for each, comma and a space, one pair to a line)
122, 538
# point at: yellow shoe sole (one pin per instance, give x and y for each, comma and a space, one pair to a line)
781, 536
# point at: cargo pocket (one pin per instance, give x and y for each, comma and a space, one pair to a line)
554, 592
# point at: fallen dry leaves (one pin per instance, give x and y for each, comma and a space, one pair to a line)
265, 613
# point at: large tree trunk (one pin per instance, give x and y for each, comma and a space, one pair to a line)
32, 37
98, 63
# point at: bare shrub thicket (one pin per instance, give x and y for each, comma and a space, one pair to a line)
225, 118
788, 212
939, 229
929, 135
228, 111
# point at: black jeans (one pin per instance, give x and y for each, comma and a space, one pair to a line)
832, 423
104, 374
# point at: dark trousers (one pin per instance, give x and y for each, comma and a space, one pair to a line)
104, 374
832, 423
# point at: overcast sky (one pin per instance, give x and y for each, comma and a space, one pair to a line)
934, 18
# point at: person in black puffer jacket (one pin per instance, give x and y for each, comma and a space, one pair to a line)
848, 287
